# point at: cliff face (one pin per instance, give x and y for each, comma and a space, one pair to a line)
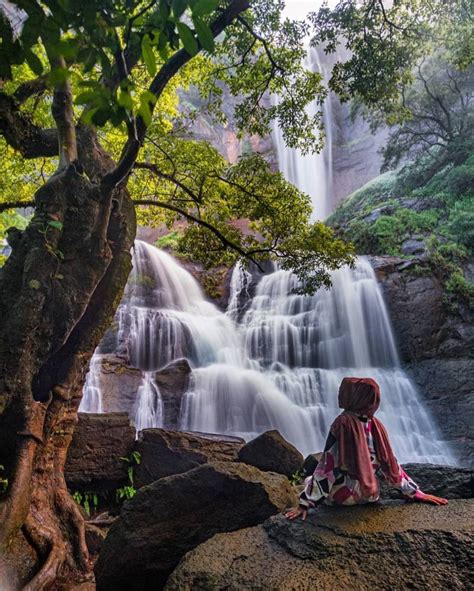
435, 346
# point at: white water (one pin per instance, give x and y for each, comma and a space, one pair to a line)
311, 173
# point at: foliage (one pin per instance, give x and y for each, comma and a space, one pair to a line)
128, 491
297, 478
88, 500
169, 241
422, 201
406, 65
461, 222
384, 41
124, 62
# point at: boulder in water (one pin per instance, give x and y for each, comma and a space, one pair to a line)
164, 453
173, 515
271, 452
391, 545
173, 382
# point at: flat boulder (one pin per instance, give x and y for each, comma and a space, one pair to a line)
390, 545
173, 515
164, 452
94, 456
271, 452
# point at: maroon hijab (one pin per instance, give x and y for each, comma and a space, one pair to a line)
361, 396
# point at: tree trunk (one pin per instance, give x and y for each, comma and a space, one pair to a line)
59, 291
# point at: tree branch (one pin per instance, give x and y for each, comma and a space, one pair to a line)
192, 218
63, 114
159, 83
22, 134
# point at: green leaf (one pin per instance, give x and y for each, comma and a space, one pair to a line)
145, 109
55, 224
187, 38
125, 100
86, 97
148, 56
34, 62
204, 34
203, 7
178, 6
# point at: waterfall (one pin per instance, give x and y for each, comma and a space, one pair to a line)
275, 365
311, 173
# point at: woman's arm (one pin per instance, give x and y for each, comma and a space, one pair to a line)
411, 491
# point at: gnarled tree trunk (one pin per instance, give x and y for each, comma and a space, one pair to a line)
59, 290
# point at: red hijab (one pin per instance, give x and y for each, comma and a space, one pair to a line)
361, 396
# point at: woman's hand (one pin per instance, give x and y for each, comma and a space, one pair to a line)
422, 497
297, 512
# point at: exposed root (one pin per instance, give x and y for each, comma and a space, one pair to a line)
72, 515
50, 547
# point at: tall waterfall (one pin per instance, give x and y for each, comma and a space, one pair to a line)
278, 364
311, 173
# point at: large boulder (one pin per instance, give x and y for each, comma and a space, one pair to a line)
173, 382
173, 515
94, 461
387, 546
164, 453
271, 452
119, 384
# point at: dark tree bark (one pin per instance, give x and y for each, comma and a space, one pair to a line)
58, 293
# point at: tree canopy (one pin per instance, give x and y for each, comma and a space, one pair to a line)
123, 65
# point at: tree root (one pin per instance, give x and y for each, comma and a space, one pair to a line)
48, 543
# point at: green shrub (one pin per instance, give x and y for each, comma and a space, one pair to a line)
461, 222
169, 241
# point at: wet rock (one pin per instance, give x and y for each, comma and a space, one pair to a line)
173, 382
93, 461
447, 388
173, 515
444, 481
164, 453
435, 346
119, 384
391, 545
271, 452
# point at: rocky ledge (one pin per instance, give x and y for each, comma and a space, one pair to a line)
392, 545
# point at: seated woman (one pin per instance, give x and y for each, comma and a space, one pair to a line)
357, 450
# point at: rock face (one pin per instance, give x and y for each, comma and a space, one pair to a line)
271, 452
172, 381
392, 545
93, 461
434, 345
119, 384
173, 515
164, 453
442, 481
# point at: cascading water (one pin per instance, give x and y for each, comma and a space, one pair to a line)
311, 173
276, 365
